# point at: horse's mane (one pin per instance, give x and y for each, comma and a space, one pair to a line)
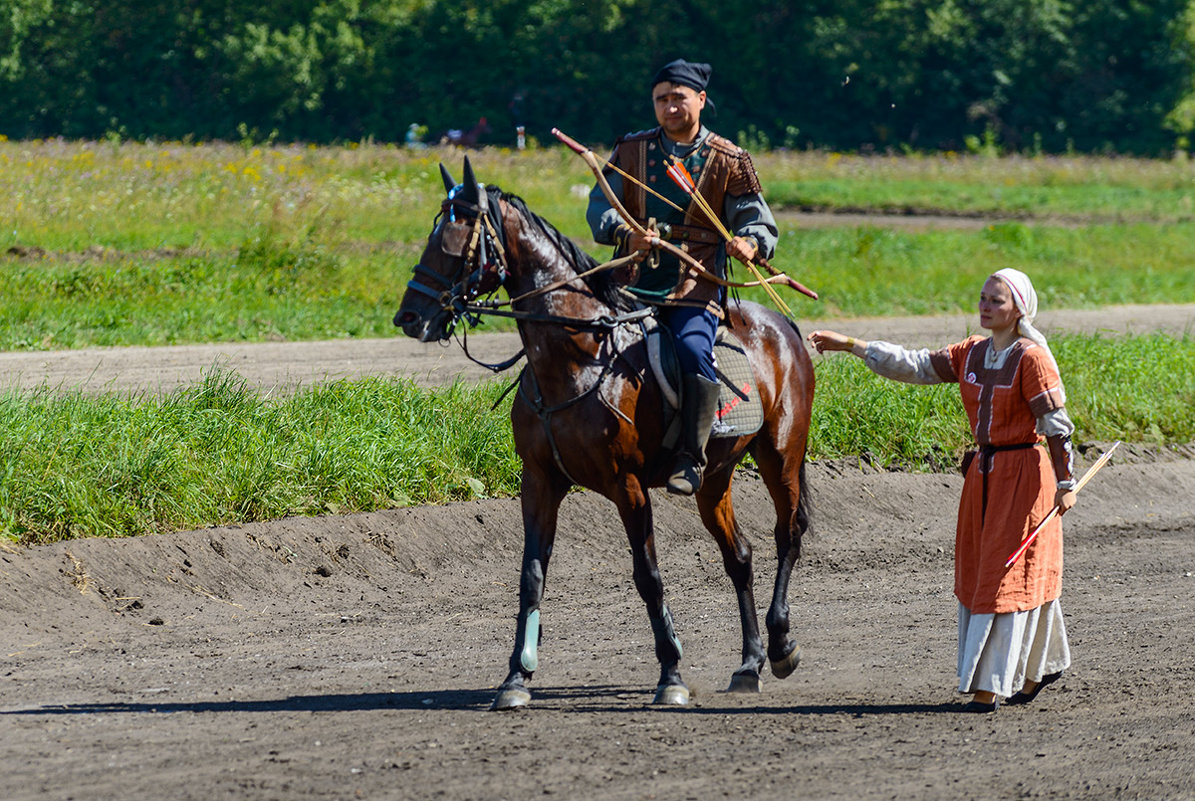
602, 284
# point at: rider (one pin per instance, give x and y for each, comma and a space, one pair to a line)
690, 307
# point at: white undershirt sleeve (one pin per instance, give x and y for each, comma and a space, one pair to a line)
1055, 423
900, 363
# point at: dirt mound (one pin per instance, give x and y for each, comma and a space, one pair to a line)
345, 657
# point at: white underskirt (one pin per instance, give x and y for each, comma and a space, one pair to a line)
997, 653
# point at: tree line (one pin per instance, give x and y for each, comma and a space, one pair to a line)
854, 75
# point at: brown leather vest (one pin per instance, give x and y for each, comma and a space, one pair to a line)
728, 170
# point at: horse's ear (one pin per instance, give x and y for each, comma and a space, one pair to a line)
449, 184
472, 191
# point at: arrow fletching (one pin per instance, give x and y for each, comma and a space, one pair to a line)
680, 176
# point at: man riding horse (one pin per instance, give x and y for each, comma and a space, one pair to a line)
688, 304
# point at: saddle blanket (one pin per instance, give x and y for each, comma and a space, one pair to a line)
739, 409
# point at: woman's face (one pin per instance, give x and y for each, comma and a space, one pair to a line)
997, 312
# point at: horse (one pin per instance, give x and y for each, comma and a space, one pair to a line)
588, 412
469, 138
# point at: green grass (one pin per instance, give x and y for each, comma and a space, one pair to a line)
1074, 187
148, 244
153, 244
272, 289
73, 465
266, 290
869, 271
78, 466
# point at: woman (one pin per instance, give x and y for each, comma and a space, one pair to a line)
1012, 640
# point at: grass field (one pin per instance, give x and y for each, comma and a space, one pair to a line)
123, 244
142, 244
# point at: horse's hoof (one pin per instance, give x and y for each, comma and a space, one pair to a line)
783, 668
745, 683
510, 698
671, 695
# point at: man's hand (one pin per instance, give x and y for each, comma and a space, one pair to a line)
640, 245
742, 248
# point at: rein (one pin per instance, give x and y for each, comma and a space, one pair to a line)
480, 245
456, 293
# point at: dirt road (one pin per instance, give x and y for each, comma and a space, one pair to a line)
282, 366
354, 657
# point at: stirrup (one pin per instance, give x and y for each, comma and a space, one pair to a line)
686, 477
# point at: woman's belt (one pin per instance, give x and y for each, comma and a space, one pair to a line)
986, 453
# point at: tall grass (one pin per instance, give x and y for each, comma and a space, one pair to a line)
73, 465
218, 452
1039, 187
266, 290
146, 244
163, 243
274, 289
72, 196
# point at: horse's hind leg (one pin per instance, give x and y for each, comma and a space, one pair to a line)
635, 509
784, 476
717, 513
541, 505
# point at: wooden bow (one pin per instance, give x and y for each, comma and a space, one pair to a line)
590, 159
682, 178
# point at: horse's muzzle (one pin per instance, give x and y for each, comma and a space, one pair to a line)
415, 326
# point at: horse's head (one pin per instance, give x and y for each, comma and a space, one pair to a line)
463, 260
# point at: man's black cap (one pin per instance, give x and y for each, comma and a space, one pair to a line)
686, 73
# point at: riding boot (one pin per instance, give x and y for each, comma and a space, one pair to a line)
699, 405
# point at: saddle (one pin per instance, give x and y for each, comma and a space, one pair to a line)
739, 409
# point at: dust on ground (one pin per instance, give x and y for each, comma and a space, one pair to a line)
355, 657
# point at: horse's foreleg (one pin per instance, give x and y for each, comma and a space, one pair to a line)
635, 510
717, 513
541, 504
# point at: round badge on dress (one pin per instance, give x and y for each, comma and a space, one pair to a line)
971, 377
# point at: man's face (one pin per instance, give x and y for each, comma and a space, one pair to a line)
678, 109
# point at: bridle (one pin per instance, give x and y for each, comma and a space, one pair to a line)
483, 269
481, 248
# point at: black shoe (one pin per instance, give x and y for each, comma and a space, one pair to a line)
982, 708
1025, 697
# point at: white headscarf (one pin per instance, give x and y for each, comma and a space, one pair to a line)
1024, 296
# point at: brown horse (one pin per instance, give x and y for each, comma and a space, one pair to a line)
588, 412
468, 138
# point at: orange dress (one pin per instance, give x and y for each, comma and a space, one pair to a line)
1003, 405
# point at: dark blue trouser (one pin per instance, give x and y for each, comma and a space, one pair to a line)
695, 330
